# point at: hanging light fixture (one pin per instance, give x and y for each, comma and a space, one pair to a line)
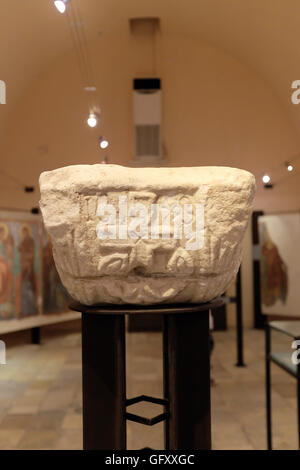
61, 5
266, 179
289, 166
93, 119
78, 35
103, 143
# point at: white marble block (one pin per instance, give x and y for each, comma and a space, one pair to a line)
146, 235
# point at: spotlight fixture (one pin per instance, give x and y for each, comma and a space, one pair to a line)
289, 166
61, 5
103, 143
93, 119
266, 179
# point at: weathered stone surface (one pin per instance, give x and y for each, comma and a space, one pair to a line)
192, 263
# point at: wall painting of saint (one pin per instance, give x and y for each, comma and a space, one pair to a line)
279, 236
19, 269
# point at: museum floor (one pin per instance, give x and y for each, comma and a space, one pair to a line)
40, 392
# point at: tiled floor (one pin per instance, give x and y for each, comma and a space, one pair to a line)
40, 392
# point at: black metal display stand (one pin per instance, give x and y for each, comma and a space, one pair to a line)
259, 317
284, 361
186, 356
237, 300
239, 322
36, 335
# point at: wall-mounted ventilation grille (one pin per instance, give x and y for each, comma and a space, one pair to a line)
147, 140
147, 121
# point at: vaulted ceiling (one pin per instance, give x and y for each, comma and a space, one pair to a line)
262, 34
265, 34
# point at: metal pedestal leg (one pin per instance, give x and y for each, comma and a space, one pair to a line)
187, 380
103, 364
298, 398
268, 387
36, 335
239, 322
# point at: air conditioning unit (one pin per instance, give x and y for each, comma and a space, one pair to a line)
147, 121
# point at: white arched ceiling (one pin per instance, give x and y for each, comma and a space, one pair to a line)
264, 35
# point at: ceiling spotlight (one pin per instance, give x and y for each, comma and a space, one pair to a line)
103, 143
289, 166
61, 5
93, 119
266, 179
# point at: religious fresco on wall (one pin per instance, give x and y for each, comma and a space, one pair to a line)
279, 236
19, 269
55, 296
273, 270
29, 282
